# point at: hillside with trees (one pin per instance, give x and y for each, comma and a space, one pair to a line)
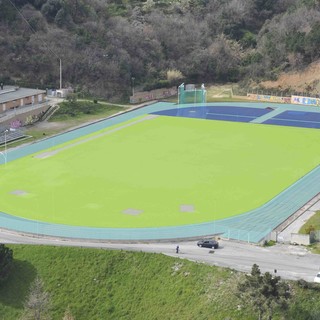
106, 45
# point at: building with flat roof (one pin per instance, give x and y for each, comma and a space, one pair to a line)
14, 97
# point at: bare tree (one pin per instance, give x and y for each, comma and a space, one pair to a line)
37, 305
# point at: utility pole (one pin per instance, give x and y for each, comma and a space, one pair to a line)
60, 74
132, 78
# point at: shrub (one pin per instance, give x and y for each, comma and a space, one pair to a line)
269, 243
174, 75
310, 228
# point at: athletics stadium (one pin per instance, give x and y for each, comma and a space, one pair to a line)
167, 171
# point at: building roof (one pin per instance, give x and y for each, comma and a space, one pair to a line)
10, 93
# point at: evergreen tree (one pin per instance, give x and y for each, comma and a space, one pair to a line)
6, 262
264, 292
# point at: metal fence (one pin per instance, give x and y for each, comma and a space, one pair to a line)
212, 228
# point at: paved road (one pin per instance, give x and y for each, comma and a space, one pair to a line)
291, 262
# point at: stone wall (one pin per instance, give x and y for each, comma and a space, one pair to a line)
156, 94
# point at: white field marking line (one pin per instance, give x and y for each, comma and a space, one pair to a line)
230, 115
54, 152
295, 120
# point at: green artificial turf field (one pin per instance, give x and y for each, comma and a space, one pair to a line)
159, 172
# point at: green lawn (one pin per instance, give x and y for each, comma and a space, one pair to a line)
144, 174
101, 284
105, 285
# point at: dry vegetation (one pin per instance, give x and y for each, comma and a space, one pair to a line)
108, 48
305, 81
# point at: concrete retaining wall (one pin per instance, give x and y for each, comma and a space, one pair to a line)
23, 115
303, 239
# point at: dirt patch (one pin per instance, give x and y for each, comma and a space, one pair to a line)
132, 212
305, 81
45, 125
19, 192
187, 208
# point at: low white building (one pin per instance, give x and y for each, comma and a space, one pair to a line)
15, 97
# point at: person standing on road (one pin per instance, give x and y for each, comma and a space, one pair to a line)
177, 249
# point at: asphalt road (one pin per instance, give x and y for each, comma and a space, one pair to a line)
290, 262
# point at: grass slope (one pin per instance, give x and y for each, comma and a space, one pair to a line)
313, 223
84, 110
156, 166
99, 284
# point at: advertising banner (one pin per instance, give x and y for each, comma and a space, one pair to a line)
305, 101
268, 98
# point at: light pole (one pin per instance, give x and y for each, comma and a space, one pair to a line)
60, 74
132, 78
5, 147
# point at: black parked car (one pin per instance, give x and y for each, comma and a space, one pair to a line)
208, 244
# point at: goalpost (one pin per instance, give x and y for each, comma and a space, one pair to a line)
189, 94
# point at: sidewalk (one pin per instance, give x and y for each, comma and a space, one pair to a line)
294, 227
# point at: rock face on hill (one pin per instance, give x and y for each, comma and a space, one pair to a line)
306, 81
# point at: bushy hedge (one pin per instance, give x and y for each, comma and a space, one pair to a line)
69, 109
